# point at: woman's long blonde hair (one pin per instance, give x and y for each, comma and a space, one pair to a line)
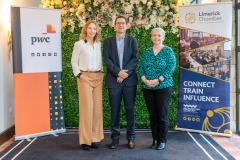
83, 34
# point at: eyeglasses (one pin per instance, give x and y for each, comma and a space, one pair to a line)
120, 23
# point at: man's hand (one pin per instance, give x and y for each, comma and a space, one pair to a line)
119, 79
123, 74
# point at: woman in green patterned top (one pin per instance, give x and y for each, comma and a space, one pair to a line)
156, 68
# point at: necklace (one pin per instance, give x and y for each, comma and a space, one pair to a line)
157, 49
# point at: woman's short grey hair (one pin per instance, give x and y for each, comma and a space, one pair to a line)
160, 31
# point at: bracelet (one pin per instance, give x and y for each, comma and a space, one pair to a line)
79, 74
159, 80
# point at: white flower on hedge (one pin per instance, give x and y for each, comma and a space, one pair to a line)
159, 21
64, 3
127, 8
158, 4
147, 27
139, 9
149, 4
87, 1
165, 24
63, 11
153, 20
166, 8
154, 16
128, 25
130, 19
175, 24
175, 30
144, 1
170, 13
175, 17
95, 3
89, 9
58, 2
154, 12
172, 6
170, 20
71, 10
81, 8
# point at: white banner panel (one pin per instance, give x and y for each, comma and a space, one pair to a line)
37, 72
41, 51
210, 18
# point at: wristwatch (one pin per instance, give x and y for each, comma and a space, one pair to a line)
79, 74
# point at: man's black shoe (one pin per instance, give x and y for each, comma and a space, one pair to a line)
114, 144
154, 144
86, 147
161, 146
94, 145
131, 144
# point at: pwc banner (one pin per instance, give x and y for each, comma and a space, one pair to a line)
205, 61
37, 72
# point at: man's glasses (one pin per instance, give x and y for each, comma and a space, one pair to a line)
120, 23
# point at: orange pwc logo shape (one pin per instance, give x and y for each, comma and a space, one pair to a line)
50, 29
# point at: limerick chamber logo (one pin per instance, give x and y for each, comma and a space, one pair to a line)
190, 18
50, 29
190, 108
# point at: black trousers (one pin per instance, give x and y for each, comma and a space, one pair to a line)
157, 102
115, 96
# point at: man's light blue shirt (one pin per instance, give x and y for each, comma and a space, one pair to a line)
120, 48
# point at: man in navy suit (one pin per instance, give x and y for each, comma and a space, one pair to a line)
120, 54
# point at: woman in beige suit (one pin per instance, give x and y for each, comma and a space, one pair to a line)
87, 67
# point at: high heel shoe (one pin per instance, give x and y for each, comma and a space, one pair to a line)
86, 147
94, 145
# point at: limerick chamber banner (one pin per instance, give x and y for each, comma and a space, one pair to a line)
37, 72
205, 61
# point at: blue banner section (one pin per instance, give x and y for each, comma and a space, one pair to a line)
204, 102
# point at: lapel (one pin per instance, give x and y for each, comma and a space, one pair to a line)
115, 51
126, 44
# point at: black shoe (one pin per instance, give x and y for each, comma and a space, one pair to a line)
161, 146
114, 144
94, 145
154, 144
86, 147
131, 144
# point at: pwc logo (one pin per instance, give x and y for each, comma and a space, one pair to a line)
50, 30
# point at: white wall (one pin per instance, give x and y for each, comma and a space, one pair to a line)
6, 92
6, 75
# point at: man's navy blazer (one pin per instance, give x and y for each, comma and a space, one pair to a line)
130, 60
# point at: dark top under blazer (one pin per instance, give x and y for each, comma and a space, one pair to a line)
130, 60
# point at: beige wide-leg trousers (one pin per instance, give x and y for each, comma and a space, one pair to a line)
90, 107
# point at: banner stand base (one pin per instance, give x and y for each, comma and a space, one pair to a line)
204, 132
17, 138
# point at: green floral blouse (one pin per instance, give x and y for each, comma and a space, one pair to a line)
152, 67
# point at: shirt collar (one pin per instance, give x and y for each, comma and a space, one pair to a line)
120, 38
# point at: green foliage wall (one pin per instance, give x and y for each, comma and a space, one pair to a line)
70, 93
